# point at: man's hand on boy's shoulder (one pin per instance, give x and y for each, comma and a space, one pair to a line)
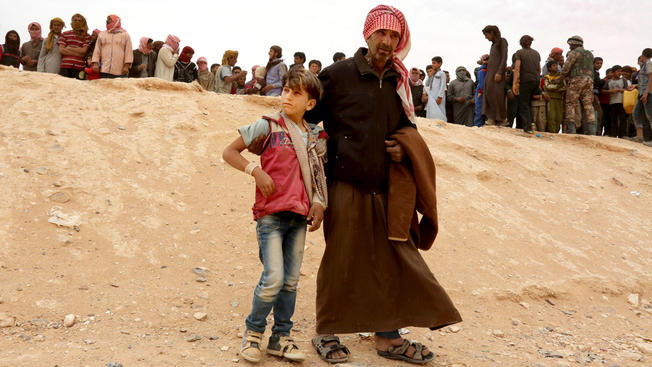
315, 216
264, 182
257, 146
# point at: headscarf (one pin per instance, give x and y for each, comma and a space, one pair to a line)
461, 74
35, 35
202, 67
50, 42
415, 80
172, 43
115, 26
80, 27
388, 17
13, 47
183, 57
142, 47
227, 55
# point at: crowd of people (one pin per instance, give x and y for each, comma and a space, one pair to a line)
562, 94
108, 54
566, 95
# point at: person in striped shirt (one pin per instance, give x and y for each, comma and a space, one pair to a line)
73, 45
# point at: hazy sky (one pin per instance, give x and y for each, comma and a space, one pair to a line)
450, 29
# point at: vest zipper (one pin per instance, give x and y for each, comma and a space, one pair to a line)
381, 83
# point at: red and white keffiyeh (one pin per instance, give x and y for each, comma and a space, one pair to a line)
388, 17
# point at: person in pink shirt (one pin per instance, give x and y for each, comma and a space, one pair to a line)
113, 51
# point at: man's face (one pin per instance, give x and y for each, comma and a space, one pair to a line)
189, 54
34, 28
489, 36
150, 45
57, 27
108, 20
314, 68
414, 73
382, 44
597, 64
12, 36
77, 18
233, 60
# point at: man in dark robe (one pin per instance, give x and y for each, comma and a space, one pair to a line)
493, 103
371, 279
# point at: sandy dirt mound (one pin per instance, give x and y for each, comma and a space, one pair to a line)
117, 208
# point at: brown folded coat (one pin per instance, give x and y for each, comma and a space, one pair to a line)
412, 189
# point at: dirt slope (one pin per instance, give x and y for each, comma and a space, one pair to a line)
545, 242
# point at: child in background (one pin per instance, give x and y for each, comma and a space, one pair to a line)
88, 70
615, 88
290, 193
538, 110
554, 87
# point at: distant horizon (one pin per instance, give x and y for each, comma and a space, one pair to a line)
436, 30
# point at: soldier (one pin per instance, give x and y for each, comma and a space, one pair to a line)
578, 69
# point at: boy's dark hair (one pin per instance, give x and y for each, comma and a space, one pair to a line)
428, 67
438, 59
627, 69
526, 41
314, 62
338, 55
647, 53
597, 58
608, 70
214, 65
550, 63
616, 67
301, 55
236, 68
278, 50
297, 78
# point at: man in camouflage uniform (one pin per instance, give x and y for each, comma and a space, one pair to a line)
578, 69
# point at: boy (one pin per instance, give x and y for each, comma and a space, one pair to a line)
615, 88
538, 105
288, 196
436, 108
554, 87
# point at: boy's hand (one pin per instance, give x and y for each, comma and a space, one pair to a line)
395, 150
264, 182
315, 217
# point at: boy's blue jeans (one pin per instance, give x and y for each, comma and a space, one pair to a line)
643, 117
281, 239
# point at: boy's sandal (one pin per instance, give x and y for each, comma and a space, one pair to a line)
319, 342
251, 348
398, 352
286, 348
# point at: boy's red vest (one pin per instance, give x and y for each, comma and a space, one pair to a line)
279, 161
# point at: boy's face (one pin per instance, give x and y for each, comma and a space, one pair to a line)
436, 65
616, 73
610, 74
315, 68
554, 68
430, 71
597, 64
296, 101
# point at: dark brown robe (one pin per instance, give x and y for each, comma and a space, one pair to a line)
493, 103
365, 281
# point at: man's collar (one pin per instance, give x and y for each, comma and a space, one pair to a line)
364, 67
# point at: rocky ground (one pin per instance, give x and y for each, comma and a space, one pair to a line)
126, 240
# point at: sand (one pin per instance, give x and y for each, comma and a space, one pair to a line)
545, 242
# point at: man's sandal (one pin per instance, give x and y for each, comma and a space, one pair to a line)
398, 352
251, 346
283, 346
323, 350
